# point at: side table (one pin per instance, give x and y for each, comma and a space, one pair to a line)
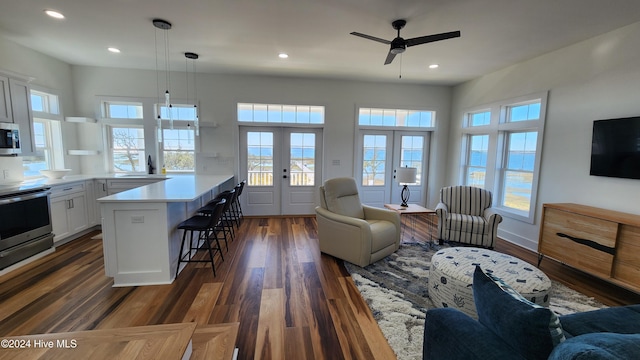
415, 211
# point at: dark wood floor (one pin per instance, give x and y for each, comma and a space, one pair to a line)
291, 301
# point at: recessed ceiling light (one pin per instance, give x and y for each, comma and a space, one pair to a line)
434, 66
283, 56
54, 14
114, 50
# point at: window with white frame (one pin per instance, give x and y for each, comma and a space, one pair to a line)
396, 118
122, 110
501, 152
475, 168
178, 137
278, 113
47, 132
125, 119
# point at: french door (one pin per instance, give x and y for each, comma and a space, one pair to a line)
380, 153
283, 170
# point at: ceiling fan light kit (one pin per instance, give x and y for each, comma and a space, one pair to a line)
399, 45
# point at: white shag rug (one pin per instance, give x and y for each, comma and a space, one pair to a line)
396, 290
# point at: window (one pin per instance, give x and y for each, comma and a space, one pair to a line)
276, 113
412, 148
128, 154
480, 118
122, 110
47, 134
374, 160
302, 159
396, 118
178, 144
518, 171
501, 153
44, 102
476, 166
260, 158
179, 150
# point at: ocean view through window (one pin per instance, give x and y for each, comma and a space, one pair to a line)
501, 152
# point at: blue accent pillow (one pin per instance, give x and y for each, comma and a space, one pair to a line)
529, 328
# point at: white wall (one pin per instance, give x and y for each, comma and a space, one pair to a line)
219, 94
595, 79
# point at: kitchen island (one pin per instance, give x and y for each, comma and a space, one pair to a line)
139, 226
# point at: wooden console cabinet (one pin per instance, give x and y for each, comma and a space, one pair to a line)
600, 242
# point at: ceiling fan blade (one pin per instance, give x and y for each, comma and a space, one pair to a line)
371, 38
390, 58
432, 38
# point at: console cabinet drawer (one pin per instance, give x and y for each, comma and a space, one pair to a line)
600, 242
580, 241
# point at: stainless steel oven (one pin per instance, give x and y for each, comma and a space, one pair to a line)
9, 139
25, 225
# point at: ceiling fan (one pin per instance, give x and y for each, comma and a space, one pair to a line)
399, 45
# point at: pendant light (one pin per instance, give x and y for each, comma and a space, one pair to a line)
193, 57
164, 25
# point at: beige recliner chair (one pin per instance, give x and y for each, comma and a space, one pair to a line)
348, 230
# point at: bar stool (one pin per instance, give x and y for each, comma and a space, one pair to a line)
205, 226
225, 222
220, 224
233, 209
238, 205
227, 217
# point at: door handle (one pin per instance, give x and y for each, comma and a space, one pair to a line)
284, 176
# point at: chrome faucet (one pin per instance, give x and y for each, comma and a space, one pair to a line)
150, 163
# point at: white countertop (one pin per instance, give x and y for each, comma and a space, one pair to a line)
180, 188
174, 188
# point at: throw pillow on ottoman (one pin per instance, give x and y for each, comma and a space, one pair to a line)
451, 277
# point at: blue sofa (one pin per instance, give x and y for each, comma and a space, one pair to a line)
510, 327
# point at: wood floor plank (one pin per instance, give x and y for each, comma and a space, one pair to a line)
298, 344
270, 338
365, 322
352, 340
201, 307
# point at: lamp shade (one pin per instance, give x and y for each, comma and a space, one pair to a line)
406, 175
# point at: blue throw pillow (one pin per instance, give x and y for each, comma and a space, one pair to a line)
529, 328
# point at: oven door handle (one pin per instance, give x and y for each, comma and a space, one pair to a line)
24, 197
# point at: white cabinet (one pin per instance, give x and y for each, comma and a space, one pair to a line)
5, 100
68, 210
100, 191
21, 111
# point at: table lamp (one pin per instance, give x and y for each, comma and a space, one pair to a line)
404, 176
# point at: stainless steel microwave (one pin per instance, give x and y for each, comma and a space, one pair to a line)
9, 139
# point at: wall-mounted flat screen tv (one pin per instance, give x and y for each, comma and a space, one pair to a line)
615, 148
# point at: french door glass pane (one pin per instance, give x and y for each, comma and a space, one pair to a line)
411, 154
260, 158
374, 160
302, 159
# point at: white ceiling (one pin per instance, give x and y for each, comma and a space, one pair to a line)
245, 36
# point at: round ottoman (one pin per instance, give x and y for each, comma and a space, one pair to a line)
451, 277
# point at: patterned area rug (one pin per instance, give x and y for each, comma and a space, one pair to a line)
397, 291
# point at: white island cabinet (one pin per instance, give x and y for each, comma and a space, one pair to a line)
139, 226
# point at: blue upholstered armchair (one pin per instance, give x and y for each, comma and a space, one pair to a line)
465, 215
